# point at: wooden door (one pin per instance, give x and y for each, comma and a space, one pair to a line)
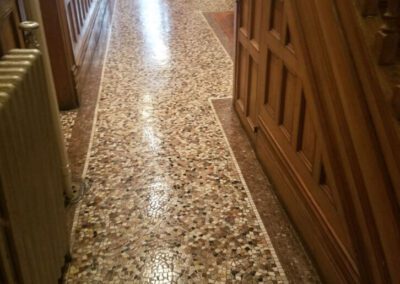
276, 107
248, 61
292, 128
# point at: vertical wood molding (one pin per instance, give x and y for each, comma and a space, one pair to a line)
60, 52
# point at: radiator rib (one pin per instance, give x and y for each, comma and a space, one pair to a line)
33, 173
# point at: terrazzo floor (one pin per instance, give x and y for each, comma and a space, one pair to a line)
167, 203
67, 119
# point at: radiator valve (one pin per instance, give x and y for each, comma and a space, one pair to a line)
29, 29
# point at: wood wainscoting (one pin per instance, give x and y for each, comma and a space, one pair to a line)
10, 34
73, 29
305, 99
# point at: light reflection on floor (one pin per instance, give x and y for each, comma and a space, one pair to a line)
167, 204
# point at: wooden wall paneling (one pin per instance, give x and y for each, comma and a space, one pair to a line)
60, 52
310, 144
361, 202
247, 54
378, 96
242, 70
85, 21
369, 7
80, 24
242, 57
297, 205
371, 135
75, 12
343, 185
72, 31
323, 131
10, 35
255, 31
331, 88
80, 13
99, 26
286, 106
291, 139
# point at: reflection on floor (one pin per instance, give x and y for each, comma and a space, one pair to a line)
167, 203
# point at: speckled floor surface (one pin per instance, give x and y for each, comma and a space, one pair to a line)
222, 24
67, 119
167, 203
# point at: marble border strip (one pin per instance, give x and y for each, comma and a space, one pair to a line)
93, 130
222, 37
216, 36
249, 197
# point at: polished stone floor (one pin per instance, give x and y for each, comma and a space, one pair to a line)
167, 203
68, 119
222, 24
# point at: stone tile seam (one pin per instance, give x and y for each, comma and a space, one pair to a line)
249, 197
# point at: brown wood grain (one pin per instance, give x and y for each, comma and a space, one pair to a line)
60, 52
72, 30
319, 131
10, 34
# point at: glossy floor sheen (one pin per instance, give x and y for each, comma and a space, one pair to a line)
166, 203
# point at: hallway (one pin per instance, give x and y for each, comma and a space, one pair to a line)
199, 141
167, 203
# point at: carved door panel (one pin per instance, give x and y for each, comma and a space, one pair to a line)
288, 120
248, 61
279, 110
10, 35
